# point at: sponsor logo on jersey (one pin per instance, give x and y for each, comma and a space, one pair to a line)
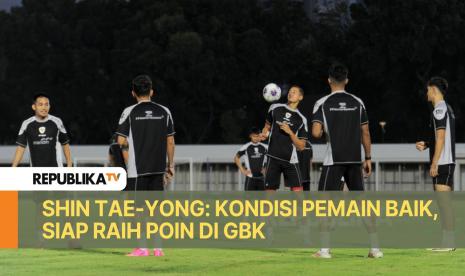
149, 116
287, 119
43, 141
257, 153
343, 107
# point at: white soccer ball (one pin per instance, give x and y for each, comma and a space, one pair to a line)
271, 92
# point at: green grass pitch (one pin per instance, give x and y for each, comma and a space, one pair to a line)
229, 262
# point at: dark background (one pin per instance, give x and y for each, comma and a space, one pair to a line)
210, 60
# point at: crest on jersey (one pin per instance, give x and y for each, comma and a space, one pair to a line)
42, 130
148, 113
342, 105
256, 150
288, 115
439, 113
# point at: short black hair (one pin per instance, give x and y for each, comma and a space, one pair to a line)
298, 88
440, 83
39, 95
141, 85
254, 130
338, 72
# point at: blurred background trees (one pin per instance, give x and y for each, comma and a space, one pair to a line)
210, 59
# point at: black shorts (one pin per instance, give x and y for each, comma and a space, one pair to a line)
275, 167
254, 184
331, 176
445, 175
306, 185
152, 182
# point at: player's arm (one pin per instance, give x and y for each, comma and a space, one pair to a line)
440, 123
18, 155
265, 131
238, 162
440, 140
265, 160
111, 160
123, 143
170, 145
317, 121
317, 129
21, 141
311, 159
67, 152
122, 133
64, 141
366, 142
421, 145
269, 120
298, 142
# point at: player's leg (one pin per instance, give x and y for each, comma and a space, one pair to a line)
306, 185
247, 183
272, 182
292, 177
330, 180
353, 176
444, 183
260, 184
147, 183
130, 185
156, 183
273, 174
139, 184
255, 184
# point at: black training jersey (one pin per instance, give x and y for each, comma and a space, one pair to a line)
280, 145
44, 138
443, 118
305, 157
146, 126
341, 115
254, 157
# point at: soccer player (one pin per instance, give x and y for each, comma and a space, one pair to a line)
442, 153
286, 129
343, 118
442, 142
116, 154
146, 129
254, 154
305, 162
45, 135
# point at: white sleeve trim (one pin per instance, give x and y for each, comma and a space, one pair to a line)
319, 103
125, 114
25, 124
59, 123
244, 147
169, 116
